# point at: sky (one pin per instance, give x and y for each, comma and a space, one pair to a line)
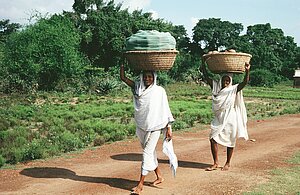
283, 14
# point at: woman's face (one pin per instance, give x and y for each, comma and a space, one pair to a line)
148, 78
225, 81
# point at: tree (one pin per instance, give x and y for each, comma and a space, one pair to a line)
271, 50
104, 28
43, 54
6, 28
214, 34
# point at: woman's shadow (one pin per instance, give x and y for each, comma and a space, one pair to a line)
55, 172
126, 184
181, 163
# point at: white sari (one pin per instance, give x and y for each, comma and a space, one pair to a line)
152, 114
230, 117
151, 106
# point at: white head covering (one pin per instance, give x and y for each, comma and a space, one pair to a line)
140, 86
152, 111
217, 85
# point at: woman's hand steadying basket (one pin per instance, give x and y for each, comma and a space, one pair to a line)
129, 82
246, 78
247, 66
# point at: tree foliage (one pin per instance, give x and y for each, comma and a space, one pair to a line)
43, 54
6, 28
105, 26
271, 50
213, 34
56, 51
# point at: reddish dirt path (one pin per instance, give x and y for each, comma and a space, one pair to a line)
114, 168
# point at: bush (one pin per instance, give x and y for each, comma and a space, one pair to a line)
263, 78
178, 125
163, 78
101, 82
34, 150
2, 160
43, 54
69, 142
14, 155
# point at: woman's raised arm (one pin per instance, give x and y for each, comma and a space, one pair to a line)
246, 78
205, 74
126, 80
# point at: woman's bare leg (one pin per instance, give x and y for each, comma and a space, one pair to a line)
229, 156
138, 189
159, 178
214, 152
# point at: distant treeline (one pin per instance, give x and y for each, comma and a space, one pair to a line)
80, 51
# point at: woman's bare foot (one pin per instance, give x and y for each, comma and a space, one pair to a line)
158, 181
226, 167
136, 190
212, 168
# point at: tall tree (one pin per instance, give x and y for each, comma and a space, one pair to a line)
103, 30
214, 34
45, 53
271, 50
6, 28
105, 26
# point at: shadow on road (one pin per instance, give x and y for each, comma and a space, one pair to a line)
138, 157
55, 172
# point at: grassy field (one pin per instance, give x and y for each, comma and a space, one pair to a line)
283, 181
42, 125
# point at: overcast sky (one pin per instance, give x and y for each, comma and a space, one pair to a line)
283, 14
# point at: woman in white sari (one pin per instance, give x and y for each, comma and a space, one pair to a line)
152, 116
230, 115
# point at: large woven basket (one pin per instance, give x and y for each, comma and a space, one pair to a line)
151, 60
222, 62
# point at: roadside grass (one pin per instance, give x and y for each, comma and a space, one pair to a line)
43, 125
282, 181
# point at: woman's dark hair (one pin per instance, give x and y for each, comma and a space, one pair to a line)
148, 71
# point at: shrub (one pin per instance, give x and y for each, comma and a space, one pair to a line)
100, 81
14, 155
178, 124
163, 78
43, 54
2, 160
69, 142
99, 140
106, 85
263, 78
34, 150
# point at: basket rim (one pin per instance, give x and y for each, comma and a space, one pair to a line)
227, 53
150, 51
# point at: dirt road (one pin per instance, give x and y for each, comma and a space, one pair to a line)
114, 168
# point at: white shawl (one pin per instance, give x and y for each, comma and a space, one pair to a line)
222, 101
151, 106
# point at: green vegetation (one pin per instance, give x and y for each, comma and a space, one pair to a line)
283, 181
60, 84
46, 124
78, 51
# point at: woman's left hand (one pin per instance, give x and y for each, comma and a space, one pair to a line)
247, 66
168, 133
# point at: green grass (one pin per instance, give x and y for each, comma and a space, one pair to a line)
37, 126
283, 181
273, 93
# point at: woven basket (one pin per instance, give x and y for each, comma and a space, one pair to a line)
151, 60
222, 62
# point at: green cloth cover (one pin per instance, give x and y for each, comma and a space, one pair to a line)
150, 40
